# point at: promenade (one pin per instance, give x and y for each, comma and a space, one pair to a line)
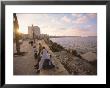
24, 65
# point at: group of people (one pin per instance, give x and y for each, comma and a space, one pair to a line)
44, 59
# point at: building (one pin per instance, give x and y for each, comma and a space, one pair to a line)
34, 29
25, 36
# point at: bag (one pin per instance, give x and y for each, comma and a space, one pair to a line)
51, 65
48, 64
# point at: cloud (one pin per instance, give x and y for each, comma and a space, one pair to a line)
66, 19
89, 15
72, 32
80, 20
91, 28
83, 18
92, 15
76, 14
80, 32
79, 25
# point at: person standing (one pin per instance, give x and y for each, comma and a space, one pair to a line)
40, 48
35, 51
38, 56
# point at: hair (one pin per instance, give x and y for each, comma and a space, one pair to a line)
50, 55
34, 46
43, 47
39, 43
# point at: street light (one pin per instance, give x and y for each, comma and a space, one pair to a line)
17, 35
33, 33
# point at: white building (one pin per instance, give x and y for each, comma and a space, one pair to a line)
36, 30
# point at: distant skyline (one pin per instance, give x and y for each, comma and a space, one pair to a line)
59, 24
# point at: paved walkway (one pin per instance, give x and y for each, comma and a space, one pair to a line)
59, 70
24, 65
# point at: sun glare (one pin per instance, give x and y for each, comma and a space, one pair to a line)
23, 31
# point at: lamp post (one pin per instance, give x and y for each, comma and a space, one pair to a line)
17, 35
33, 33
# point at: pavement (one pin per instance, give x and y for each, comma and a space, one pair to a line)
24, 65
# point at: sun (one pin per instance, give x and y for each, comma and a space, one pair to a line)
24, 31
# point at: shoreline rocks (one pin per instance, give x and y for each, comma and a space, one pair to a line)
76, 65
74, 62
55, 47
89, 56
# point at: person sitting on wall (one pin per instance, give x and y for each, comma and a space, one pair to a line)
48, 63
44, 55
45, 62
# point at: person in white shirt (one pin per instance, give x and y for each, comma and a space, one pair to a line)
44, 55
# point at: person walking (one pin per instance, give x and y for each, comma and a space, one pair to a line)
46, 61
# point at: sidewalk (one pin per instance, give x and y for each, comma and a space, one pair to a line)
24, 65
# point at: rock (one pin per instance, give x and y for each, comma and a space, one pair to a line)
75, 65
59, 68
55, 47
89, 56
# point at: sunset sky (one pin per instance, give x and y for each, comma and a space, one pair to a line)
67, 24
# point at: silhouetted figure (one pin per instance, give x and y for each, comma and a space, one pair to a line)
35, 52
40, 48
31, 42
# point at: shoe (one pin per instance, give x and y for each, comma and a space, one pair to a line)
38, 71
35, 65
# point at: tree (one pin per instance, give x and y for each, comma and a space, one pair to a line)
17, 34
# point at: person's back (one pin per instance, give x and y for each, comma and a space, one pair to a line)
47, 61
45, 54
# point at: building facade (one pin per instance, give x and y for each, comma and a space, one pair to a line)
34, 29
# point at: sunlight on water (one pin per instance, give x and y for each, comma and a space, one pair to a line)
81, 44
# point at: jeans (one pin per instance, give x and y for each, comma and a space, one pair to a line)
41, 64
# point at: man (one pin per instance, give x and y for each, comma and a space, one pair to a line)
38, 56
44, 55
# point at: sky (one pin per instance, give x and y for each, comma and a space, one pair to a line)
60, 24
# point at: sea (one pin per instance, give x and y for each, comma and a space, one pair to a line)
81, 44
